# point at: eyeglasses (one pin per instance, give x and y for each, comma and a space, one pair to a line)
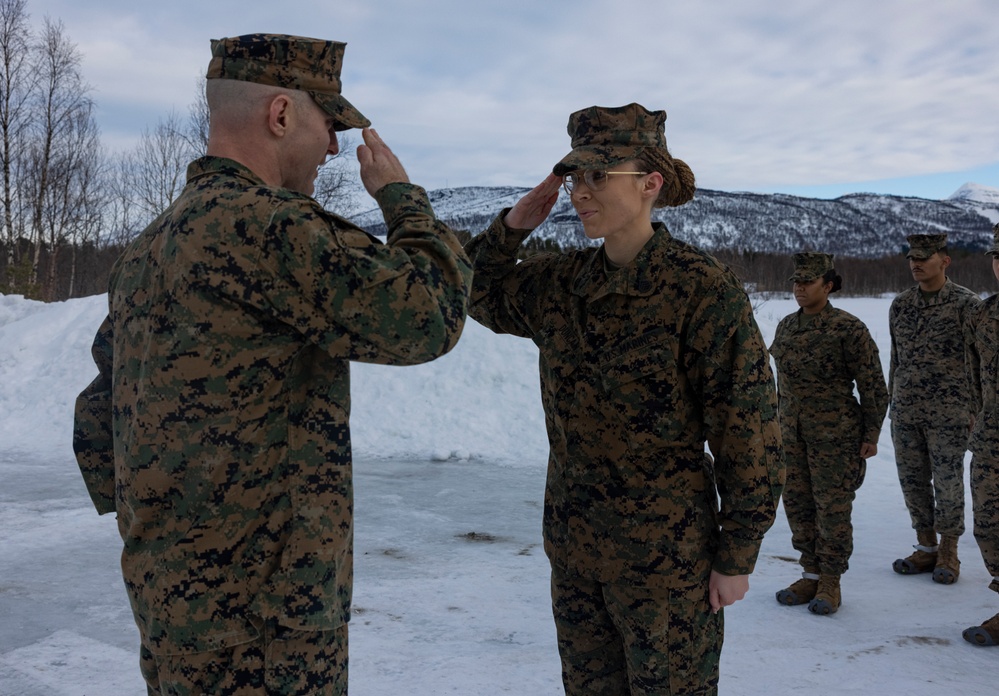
595, 179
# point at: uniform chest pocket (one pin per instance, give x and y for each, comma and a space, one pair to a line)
641, 392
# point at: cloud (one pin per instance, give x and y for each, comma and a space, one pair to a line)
759, 95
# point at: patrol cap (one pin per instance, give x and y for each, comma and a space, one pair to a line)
809, 265
923, 246
994, 251
292, 62
604, 136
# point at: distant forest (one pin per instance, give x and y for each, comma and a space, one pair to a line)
862, 277
82, 269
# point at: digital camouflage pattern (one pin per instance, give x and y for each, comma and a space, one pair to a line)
823, 426
664, 652
930, 463
217, 427
639, 367
278, 661
291, 62
994, 249
604, 136
930, 389
810, 265
984, 443
928, 382
923, 246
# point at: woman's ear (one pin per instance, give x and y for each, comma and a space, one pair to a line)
652, 184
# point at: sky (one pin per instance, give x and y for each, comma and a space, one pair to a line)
807, 97
451, 592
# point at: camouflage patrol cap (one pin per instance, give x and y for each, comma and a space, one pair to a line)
809, 265
994, 251
604, 136
923, 246
292, 62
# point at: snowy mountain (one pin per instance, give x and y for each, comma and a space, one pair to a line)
858, 225
982, 199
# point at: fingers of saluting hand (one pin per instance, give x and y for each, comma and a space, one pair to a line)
379, 165
531, 210
547, 190
372, 147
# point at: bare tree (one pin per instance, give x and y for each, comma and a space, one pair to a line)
62, 134
16, 86
83, 198
159, 165
337, 186
197, 120
122, 218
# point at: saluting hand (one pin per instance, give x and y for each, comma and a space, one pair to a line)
531, 210
379, 165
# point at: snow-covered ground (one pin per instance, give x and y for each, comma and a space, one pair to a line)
451, 591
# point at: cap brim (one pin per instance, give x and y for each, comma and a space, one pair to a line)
594, 157
342, 111
801, 279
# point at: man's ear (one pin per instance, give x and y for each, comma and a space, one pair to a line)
279, 115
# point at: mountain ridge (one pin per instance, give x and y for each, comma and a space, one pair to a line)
862, 225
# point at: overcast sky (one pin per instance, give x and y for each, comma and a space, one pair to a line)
809, 97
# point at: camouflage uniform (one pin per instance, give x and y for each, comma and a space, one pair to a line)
984, 443
639, 367
930, 410
217, 427
823, 426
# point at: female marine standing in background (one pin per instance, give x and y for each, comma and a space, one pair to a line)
821, 352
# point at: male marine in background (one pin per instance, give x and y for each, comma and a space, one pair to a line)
931, 411
217, 427
984, 361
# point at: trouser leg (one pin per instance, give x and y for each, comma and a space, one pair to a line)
627, 639
280, 661
947, 447
799, 503
915, 474
985, 504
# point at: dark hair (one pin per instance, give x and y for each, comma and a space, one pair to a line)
832, 277
678, 179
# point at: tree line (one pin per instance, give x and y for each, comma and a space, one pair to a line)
763, 272
68, 205
863, 277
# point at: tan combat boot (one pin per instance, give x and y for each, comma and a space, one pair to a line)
986, 634
923, 560
948, 567
801, 591
827, 598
